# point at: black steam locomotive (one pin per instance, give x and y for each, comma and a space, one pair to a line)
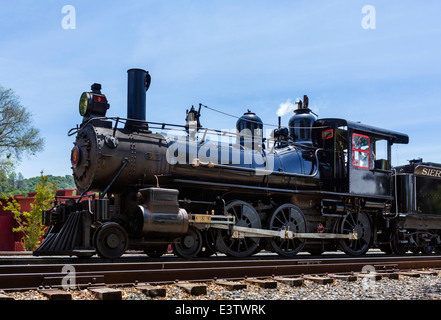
320, 184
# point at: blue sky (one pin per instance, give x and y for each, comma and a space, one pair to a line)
230, 55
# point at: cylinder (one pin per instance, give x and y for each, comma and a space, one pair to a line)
138, 83
159, 214
160, 225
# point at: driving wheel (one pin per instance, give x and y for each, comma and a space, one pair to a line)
246, 216
288, 217
360, 223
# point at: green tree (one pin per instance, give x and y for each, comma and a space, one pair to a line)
17, 134
6, 173
17, 137
30, 222
12, 183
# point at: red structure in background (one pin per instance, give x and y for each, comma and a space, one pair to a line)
9, 240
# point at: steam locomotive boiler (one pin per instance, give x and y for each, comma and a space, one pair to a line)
320, 184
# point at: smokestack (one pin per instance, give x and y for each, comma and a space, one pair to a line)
137, 86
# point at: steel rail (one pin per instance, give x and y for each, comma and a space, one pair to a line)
23, 277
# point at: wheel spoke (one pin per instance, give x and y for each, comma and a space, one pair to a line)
235, 212
291, 215
281, 222
283, 215
351, 224
245, 242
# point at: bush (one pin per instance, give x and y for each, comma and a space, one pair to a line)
30, 222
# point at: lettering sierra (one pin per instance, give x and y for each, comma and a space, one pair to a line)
431, 172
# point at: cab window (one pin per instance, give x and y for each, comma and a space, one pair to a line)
380, 154
360, 151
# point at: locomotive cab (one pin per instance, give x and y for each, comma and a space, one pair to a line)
359, 155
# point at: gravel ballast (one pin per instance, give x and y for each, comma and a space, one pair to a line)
426, 287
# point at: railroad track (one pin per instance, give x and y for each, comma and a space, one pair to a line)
45, 275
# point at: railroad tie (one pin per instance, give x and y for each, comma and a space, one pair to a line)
192, 288
293, 282
428, 272
390, 275
152, 291
107, 293
231, 285
412, 274
373, 276
54, 294
344, 277
263, 283
319, 279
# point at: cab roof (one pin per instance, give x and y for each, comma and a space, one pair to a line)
393, 136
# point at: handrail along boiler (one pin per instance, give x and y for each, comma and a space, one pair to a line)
320, 184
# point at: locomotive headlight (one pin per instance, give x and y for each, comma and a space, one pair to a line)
93, 104
83, 104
